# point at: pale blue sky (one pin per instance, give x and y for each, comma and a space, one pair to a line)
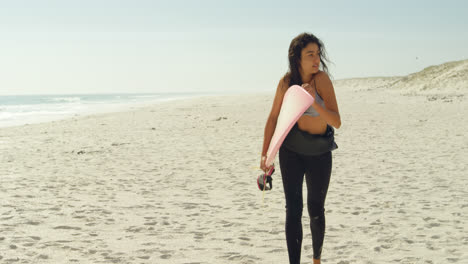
227, 46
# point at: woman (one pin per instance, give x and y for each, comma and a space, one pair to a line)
306, 54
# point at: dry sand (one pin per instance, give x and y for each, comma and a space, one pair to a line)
175, 183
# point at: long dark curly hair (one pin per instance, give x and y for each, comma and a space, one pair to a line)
294, 56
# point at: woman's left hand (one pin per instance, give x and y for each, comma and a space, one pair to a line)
310, 89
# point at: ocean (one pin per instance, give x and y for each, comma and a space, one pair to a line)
27, 109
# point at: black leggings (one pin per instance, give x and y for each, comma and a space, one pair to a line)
317, 170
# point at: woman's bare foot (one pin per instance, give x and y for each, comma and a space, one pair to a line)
316, 261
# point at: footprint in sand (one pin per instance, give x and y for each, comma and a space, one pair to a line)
277, 250
199, 235
43, 257
165, 256
67, 227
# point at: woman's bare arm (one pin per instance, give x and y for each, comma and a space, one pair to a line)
330, 113
273, 117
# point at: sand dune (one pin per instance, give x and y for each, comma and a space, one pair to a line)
450, 79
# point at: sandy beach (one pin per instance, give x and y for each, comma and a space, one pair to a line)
175, 182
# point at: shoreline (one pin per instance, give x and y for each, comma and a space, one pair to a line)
104, 108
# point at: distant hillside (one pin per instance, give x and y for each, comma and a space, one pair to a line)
447, 78
450, 77
357, 84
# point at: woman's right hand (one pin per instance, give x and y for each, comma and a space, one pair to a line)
263, 166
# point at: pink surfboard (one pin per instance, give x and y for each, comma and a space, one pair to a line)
296, 100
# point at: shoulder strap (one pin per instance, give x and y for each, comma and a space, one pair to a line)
316, 89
